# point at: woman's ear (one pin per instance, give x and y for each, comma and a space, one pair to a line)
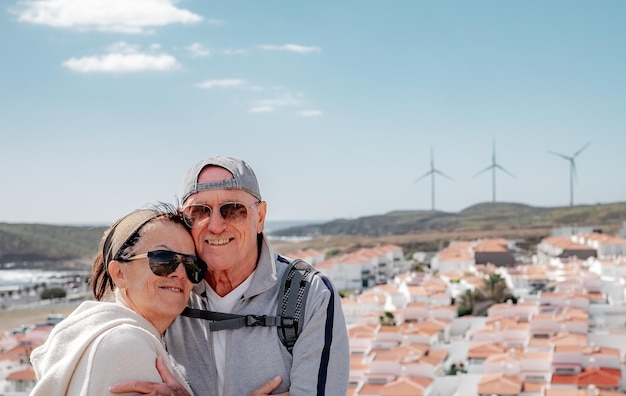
117, 274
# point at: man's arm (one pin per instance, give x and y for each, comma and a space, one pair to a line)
171, 387
321, 355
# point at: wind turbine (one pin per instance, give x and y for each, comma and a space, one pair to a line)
432, 173
572, 169
494, 165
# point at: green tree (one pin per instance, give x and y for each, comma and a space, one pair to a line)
493, 291
456, 369
53, 292
465, 303
387, 319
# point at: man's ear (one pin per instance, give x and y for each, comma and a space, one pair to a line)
117, 274
262, 210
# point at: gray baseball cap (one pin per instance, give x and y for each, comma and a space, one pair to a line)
243, 177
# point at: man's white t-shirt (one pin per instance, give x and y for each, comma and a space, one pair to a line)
224, 304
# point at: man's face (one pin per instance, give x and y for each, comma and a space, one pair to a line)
225, 246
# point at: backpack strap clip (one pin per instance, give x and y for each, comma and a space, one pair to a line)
261, 320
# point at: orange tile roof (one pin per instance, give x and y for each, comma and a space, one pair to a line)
500, 384
405, 386
11, 356
387, 288
457, 251
536, 342
27, 374
563, 379
600, 350
358, 363
492, 245
534, 387
483, 350
581, 392
438, 353
571, 339
600, 377
389, 329
417, 305
502, 322
362, 331
565, 243
604, 238
401, 352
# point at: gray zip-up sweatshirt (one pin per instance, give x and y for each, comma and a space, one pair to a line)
320, 364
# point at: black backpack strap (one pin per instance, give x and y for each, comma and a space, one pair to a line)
294, 288
226, 321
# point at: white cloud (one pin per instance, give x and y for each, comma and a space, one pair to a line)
197, 50
125, 16
261, 109
300, 49
286, 100
234, 52
122, 58
126, 48
224, 83
309, 113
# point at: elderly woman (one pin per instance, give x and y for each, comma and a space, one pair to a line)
146, 261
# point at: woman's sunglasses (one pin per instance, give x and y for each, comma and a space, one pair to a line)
164, 262
233, 213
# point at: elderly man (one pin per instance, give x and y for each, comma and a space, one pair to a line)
223, 207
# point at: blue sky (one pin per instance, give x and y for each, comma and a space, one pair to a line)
336, 104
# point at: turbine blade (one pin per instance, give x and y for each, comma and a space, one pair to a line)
560, 155
581, 149
484, 170
574, 173
505, 171
423, 176
443, 174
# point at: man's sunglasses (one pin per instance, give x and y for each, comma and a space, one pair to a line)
233, 213
164, 262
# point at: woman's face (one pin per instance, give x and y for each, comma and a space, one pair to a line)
157, 298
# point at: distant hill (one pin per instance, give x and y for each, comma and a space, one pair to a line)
484, 217
44, 242
413, 230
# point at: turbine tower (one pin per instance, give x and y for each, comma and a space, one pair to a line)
572, 169
494, 165
432, 173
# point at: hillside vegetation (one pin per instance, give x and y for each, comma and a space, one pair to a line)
433, 230
505, 218
43, 242
413, 230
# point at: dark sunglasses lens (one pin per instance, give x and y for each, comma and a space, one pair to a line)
234, 213
195, 268
164, 262
195, 214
